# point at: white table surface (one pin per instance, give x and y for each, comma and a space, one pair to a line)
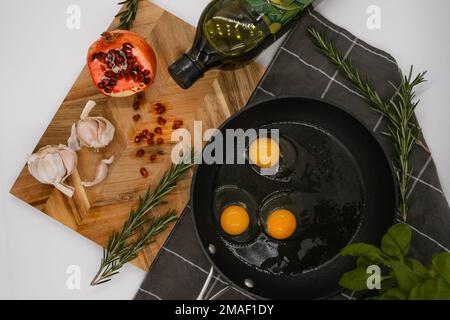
39, 61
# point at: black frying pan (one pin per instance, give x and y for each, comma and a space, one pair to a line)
340, 184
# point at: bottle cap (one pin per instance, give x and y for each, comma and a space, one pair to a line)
185, 72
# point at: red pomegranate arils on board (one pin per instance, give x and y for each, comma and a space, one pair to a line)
161, 121
144, 172
150, 141
140, 153
138, 139
177, 124
159, 108
160, 152
153, 157
136, 117
136, 105
159, 141
158, 130
145, 133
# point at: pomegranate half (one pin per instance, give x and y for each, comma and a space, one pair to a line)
121, 63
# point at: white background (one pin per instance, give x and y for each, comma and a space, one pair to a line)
39, 61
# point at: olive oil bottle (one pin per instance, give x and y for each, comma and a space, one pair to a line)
233, 32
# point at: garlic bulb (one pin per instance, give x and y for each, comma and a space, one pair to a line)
100, 173
91, 132
52, 165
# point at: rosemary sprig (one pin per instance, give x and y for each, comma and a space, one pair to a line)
399, 111
127, 15
139, 229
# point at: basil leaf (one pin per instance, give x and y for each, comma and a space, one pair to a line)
417, 268
389, 283
363, 262
441, 264
355, 280
393, 294
405, 277
432, 289
395, 242
370, 253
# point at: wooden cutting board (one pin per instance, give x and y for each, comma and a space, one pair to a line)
98, 211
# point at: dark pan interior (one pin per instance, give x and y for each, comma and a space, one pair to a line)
367, 165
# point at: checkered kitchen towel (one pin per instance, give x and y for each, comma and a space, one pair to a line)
181, 268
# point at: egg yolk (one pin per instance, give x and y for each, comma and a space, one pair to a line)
264, 152
281, 224
234, 220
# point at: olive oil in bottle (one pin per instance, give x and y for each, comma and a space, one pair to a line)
233, 32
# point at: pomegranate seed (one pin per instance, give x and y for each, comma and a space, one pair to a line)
144, 172
161, 121
109, 74
136, 117
136, 105
159, 141
147, 81
101, 85
177, 124
159, 108
137, 139
145, 132
160, 152
153, 157
151, 135
99, 56
128, 45
107, 90
150, 141
140, 153
158, 130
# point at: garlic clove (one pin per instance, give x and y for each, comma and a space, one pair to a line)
87, 132
72, 142
69, 159
52, 165
92, 132
87, 109
100, 173
105, 132
51, 168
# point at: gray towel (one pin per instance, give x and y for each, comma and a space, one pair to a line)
298, 68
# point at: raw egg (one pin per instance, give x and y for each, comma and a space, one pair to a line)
264, 152
234, 220
281, 224
227, 196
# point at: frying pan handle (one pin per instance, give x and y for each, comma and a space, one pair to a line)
201, 296
207, 284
